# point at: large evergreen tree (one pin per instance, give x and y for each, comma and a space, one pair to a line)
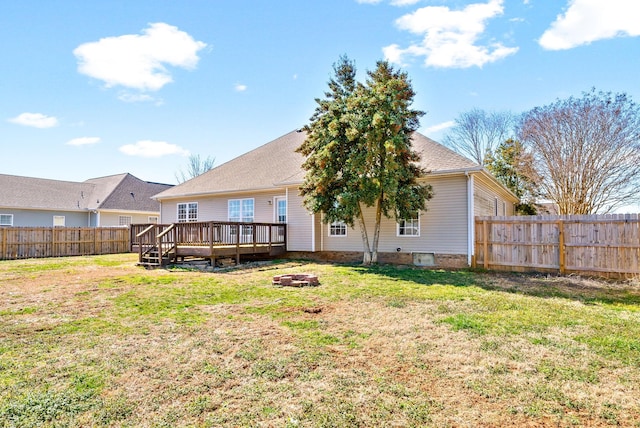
359, 152
512, 165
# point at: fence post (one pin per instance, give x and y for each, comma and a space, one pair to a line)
561, 246
4, 254
485, 243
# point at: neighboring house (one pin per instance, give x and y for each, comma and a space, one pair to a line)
116, 200
263, 186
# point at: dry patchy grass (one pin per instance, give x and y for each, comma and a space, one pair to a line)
97, 341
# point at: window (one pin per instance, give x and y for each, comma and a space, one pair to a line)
153, 219
124, 220
281, 210
504, 208
6, 219
240, 210
495, 206
58, 220
338, 228
409, 226
187, 211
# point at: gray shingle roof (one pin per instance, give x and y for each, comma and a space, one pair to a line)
99, 193
276, 163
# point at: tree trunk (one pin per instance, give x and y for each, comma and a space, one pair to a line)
376, 231
366, 258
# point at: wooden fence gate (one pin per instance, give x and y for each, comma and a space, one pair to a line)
604, 245
32, 242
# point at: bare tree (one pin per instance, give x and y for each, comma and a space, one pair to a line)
477, 133
195, 167
586, 151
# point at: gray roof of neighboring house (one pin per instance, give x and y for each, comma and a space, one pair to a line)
277, 163
112, 192
126, 192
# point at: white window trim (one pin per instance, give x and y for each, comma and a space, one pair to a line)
276, 215
253, 218
187, 220
10, 220
59, 217
336, 223
125, 218
407, 236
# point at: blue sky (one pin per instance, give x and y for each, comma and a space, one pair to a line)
94, 88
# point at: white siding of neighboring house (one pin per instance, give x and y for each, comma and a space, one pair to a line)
443, 227
110, 219
484, 199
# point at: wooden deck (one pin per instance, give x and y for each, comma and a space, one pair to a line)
161, 244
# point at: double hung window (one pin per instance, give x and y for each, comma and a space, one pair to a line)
187, 211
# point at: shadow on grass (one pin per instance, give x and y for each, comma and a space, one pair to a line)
585, 290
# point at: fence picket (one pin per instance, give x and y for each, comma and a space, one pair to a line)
607, 245
39, 242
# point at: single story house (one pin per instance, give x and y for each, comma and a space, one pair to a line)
116, 200
263, 186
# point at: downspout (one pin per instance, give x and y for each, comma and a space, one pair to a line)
286, 213
470, 219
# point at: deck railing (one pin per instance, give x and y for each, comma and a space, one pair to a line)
164, 238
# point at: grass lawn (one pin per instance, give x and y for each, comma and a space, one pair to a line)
97, 341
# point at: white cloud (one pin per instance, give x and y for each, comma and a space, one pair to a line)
440, 127
403, 2
240, 87
83, 141
128, 97
450, 36
153, 149
392, 2
138, 61
36, 120
586, 21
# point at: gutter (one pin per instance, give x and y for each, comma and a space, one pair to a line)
219, 192
470, 219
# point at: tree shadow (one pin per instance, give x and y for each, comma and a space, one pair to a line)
576, 288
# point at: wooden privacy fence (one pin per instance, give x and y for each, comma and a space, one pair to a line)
605, 245
30, 242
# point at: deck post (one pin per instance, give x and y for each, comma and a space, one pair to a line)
238, 229
255, 231
212, 259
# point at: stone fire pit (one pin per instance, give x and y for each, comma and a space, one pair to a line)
296, 280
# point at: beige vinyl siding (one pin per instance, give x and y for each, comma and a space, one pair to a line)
443, 227
215, 208
299, 224
484, 199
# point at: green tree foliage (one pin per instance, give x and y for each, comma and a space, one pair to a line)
359, 152
512, 166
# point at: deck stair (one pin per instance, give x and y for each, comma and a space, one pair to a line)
156, 245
